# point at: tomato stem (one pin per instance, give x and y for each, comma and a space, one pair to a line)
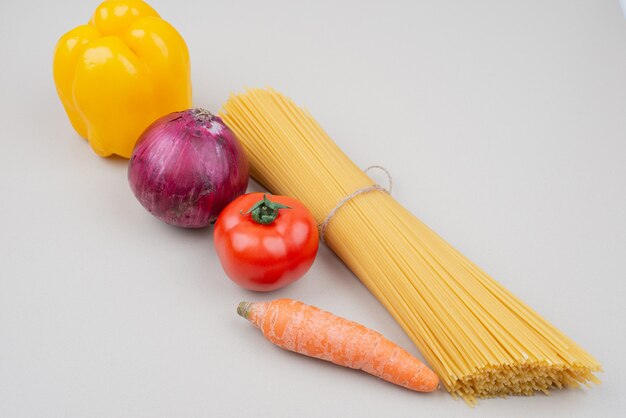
265, 211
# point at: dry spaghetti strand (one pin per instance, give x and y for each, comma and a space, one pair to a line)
481, 340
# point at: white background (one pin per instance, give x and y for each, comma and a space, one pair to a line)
503, 123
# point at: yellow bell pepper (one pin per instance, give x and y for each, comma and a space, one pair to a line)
120, 72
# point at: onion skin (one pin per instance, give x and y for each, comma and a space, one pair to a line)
186, 167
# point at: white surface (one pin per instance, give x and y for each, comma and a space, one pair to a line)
503, 123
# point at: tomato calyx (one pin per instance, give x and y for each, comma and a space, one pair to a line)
265, 211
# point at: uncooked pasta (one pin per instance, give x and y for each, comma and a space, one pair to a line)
480, 339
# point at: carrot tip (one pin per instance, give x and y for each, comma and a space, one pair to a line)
243, 309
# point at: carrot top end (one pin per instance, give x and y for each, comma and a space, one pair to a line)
243, 309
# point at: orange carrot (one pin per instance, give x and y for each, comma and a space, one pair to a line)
308, 330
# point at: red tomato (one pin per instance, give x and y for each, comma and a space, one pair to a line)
265, 243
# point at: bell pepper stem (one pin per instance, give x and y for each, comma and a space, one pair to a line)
265, 211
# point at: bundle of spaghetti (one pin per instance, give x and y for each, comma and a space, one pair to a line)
481, 340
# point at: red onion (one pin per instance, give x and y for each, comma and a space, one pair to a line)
186, 167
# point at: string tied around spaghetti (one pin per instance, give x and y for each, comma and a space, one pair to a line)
366, 189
